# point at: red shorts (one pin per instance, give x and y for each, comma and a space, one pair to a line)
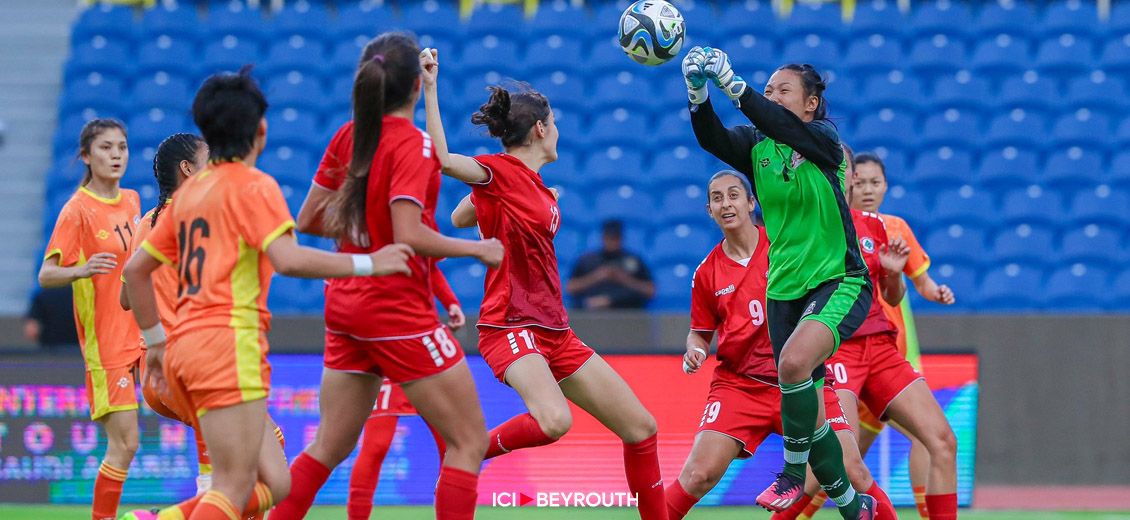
871, 368
562, 349
749, 410
400, 360
392, 401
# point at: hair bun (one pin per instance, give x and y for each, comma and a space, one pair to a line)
495, 112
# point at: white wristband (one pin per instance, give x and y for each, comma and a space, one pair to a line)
699, 350
362, 265
153, 335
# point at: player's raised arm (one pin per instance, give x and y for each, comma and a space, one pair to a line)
454, 165
731, 145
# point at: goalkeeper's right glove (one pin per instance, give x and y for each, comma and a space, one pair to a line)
719, 70
694, 74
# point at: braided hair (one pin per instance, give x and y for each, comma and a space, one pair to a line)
814, 85
166, 165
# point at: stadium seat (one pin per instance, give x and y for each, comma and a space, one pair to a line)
571, 128
606, 58
1065, 56
1098, 93
937, 55
363, 19
673, 129
560, 17
496, 19
296, 53
229, 54
1074, 167
877, 18
811, 19
178, 21
1083, 128
102, 56
575, 210
432, 17
235, 19
886, 128
965, 206
962, 280
1069, 16
1033, 205
289, 295
1001, 56
614, 164
752, 52
1121, 290
543, 54
1115, 57
1093, 244
685, 204
894, 90
953, 19
290, 166
173, 56
1119, 171
1122, 135
681, 165
104, 20
1009, 288
303, 18
162, 91
957, 244
952, 127
1025, 244
1029, 91
292, 127
673, 286
1078, 288
624, 203
943, 168
624, 90
1008, 167
1012, 18
564, 89
297, 90
684, 244
733, 18
911, 206
821, 51
491, 53
620, 126
153, 126
875, 53
962, 90
1019, 128
96, 92
1101, 205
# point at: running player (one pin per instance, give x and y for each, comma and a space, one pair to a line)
228, 231
870, 188
87, 247
524, 332
380, 176
743, 408
818, 291
390, 406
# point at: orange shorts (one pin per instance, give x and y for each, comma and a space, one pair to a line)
111, 390
162, 402
217, 367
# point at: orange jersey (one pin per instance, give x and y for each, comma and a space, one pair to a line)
87, 225
216, 236
165, 277
916, 264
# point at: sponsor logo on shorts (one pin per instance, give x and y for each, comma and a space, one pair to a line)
123, 382
837, 420
811, 309
721, 292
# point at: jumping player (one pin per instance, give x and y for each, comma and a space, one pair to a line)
87, 247
743, 408
378, 184
818, 291
229, 231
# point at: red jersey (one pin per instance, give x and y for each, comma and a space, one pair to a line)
405, 167
514, 206
729, 298
872, 236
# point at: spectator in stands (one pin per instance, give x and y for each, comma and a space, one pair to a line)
50, 320
611, 277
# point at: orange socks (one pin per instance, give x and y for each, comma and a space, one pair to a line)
107, 492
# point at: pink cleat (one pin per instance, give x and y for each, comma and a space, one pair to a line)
867, 510
140, 514
782, 494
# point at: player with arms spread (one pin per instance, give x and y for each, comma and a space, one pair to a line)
818, 291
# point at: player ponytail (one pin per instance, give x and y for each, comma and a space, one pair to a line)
90, 131
814, 85
510, 116
386, 80
167, 169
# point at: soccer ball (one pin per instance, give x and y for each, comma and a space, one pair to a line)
651, 32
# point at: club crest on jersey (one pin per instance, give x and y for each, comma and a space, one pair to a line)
867, 244
797, 160
102, 234
721, 292
765, 163
137, 220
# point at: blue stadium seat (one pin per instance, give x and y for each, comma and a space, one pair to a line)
339, 97
965, 206
606, 58
1025, 244
752, 52
624, 203
953, 19
295, 90
680, 165
1121, 290
1115, 57
685, 203
809, 19
546, 54
564, 169
1093, 244
673, 286
162, 91
821, 51
1008, 167
496, 19
1078, 288
235, 19
672, 130
296, 53
1101, 205
292, 166
620, 126
624, 90
563, 89
876, 53
179, 21
733, 18
153, 126
962, 91
432, 17
1012, 18
346, 54
1009, 288
307, 19
962, 280
1119, 171
1001, 56
957, 244
1065, 56
365, 19
96, 92
491, 53
684, 244
1019, 128
575, 211
938, 55
893, 90
614, 164
560, 17
571, 128
100, 55
943, 168
229, 54
173, 56
953, 127
290, 295
1122, 135
1098, 93
292, 127
877, 18
1073, 167
1029, 91
887, 128
1033, 205
104, 20
1083, 128
1069, 17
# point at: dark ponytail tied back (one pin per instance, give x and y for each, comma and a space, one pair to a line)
509, 116
166, 165
814, 85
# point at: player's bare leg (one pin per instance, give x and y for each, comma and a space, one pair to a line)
707, 462
234, 435
344, 404
122, 442
918, 412
531, 378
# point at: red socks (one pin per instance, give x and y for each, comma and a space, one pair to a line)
942, 507
375, 442
307, 476
920, 502
679, 502
521, 431
883, 506
107, 492
456, 493
641, 465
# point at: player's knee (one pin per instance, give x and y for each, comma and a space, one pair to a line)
644, 429
280, 489
793, 370
556, 423
471, 442
857, 472
125, 445
943, 445
698, 480
328, 452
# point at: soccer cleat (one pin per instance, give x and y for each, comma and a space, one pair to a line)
782, 494
867, 509
140, 514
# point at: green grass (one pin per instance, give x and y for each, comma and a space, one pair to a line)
30, 512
